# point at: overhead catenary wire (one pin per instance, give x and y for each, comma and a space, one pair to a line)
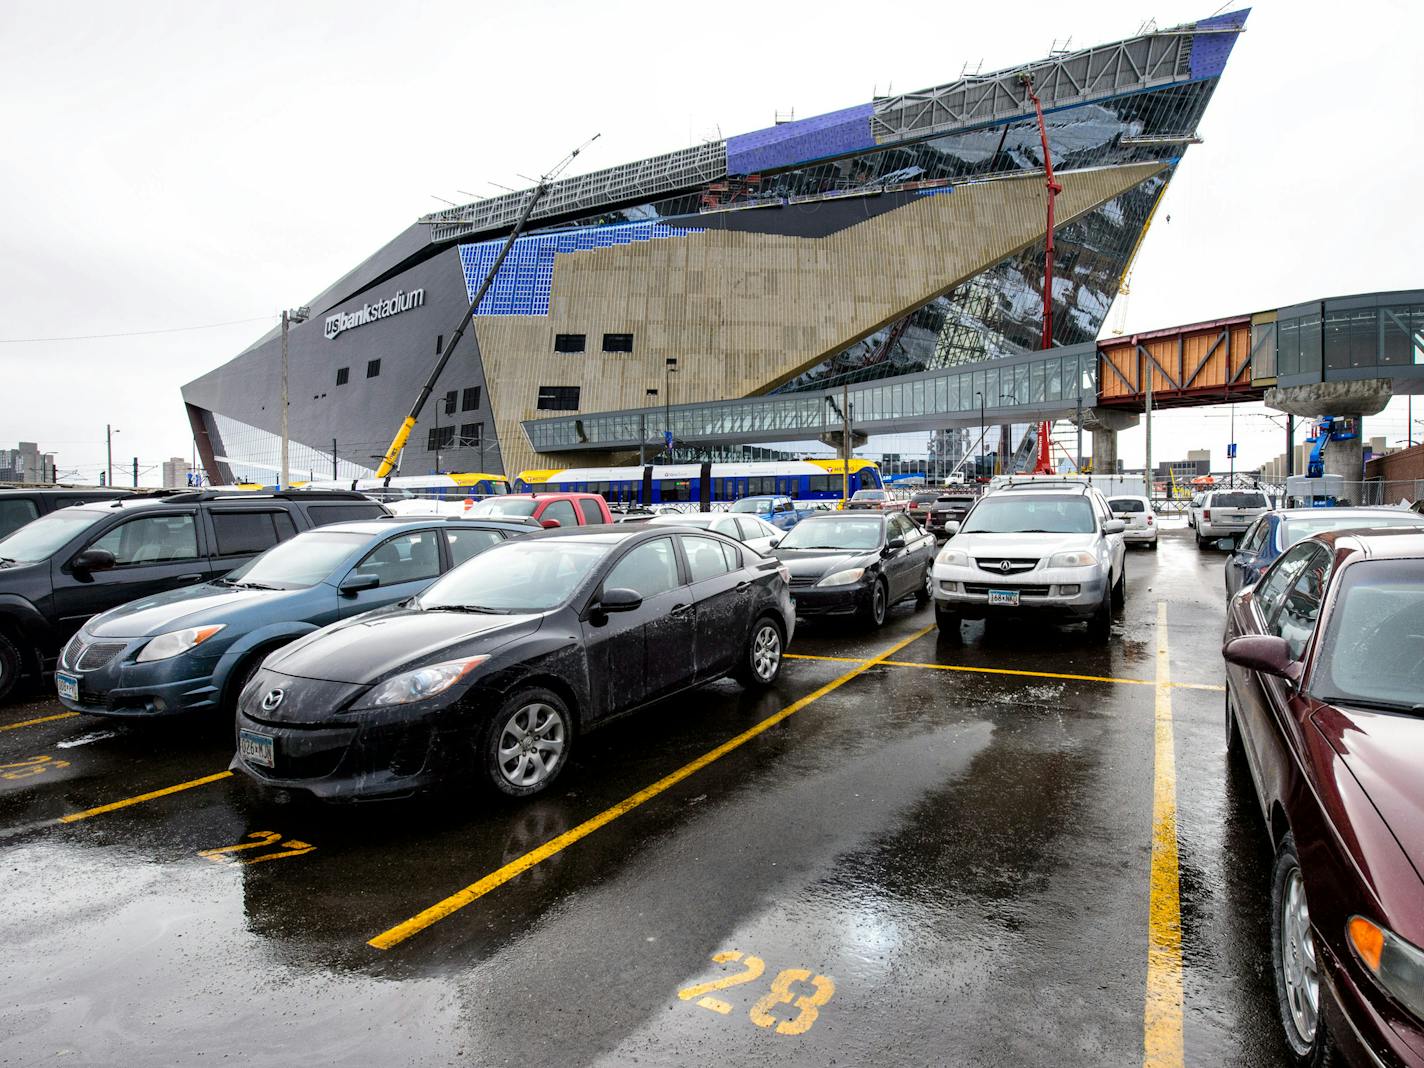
132, 333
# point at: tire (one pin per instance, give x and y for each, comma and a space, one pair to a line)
1100, 625
1119, 588
1296, 965
873, 614
1201, 542
246, 672
948, 622
925, 594
1235, 749
507, 762
762, 658
1154, 544
12, 666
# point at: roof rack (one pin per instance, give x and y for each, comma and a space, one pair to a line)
188, 496
1046, 483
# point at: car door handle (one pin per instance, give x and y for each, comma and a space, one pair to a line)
680, 609
743, 585
188, 578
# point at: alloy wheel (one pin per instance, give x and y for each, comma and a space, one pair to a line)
1299, 966
766, 652
531, 745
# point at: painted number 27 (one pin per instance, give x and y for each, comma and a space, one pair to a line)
782, 992
260, 840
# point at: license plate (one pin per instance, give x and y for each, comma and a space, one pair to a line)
1004, 597
68, 685
256, 748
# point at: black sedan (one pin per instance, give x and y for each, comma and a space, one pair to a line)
493, 672
856, 565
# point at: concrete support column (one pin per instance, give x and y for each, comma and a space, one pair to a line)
1104, 424
1356, 399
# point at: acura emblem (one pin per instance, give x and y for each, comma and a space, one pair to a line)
1004, 566
272, 700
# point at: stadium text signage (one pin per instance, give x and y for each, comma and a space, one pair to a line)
369, 313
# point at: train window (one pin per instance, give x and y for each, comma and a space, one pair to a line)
671, 489
821, 483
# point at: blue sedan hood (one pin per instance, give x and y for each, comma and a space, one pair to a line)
192, 606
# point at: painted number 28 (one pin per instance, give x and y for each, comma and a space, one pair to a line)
259, 840
782, 992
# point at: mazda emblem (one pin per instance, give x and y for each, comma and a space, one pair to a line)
1004, 566
272, 700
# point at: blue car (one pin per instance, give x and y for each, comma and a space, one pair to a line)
1275, 532
193, 649
780, 512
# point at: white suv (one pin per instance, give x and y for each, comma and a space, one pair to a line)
1049, 551
1227, 514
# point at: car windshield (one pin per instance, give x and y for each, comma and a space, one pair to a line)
298, 563
1372, 653
1238, 500
1030, 513
1291, 531
868, 495
1126, 504
40, 538
517, 576
833, 533
753, 504
513, 506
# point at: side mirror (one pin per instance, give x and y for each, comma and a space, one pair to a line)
357, 581
550, 524
951, 528
93, 560
773, 543
620, 599
1114, 526
894, 544
1225, 544
1265, 653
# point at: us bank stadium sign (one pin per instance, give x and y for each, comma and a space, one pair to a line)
369, 313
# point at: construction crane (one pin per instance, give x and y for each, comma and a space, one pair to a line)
1043, 462
388, 462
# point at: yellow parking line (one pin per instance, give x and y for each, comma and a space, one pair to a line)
1013, 671
476, 890
1162, 1018
140, 798
33, 722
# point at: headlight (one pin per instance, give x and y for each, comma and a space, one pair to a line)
953, 558
175, 642
420, 684
1395, 963
1075, 559
843, 578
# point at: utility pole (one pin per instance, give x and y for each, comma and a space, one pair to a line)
845, 442
983, 436
1231, 450
1079, 465
289, 316
1290, 445
334, 475
109, 433
1147, 470
669, 369
135, 472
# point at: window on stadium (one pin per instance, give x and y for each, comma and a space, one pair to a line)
558, 398
471, 399
373, 368
617, 342
570, 342
441, 437
343, 375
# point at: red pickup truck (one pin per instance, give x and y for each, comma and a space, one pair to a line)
549, 509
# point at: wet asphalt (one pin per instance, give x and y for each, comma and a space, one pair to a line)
919, 866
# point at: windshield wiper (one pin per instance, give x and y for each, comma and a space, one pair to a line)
253, 586
1374, 706
476, 608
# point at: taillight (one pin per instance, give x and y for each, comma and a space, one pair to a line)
1206, 514
1149, 520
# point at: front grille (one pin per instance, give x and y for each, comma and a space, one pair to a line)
802, 580
313, 766
1024, 591
90, 656
996, 564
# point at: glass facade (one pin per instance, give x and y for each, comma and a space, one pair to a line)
1378, 336
255, 455
1016, 386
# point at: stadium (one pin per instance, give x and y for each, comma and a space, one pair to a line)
733, 293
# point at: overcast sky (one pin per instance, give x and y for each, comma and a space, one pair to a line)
183, 164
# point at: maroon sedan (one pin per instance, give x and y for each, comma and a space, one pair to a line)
1325, 702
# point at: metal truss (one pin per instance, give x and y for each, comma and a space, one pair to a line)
647, 179
1152, 59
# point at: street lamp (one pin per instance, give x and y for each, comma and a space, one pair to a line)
983, 434
670, 369
289, 315
643, 428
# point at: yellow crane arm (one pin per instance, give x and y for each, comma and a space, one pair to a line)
388, 462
